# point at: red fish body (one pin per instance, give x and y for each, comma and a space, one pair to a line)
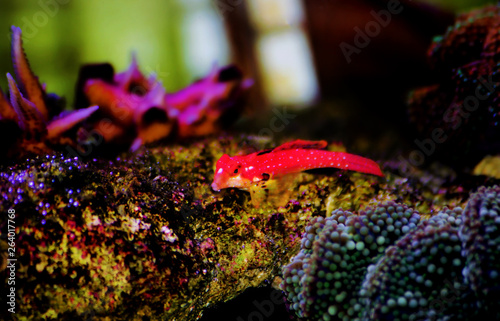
244, 171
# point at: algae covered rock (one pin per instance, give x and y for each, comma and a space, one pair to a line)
100, 237
489, 166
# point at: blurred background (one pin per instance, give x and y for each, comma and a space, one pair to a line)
291, 48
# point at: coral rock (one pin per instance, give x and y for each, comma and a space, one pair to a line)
489, 166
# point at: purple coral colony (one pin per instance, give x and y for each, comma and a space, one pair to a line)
110, 214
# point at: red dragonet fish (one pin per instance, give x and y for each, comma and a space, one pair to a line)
246, 171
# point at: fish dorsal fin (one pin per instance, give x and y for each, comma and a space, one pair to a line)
302, 144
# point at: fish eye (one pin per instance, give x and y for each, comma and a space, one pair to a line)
236, 171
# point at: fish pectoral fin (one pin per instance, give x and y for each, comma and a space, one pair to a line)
302, 144
273, 192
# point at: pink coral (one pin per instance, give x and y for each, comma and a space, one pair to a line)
140, 111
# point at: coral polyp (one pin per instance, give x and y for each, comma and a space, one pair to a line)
138, 110
28, 113
420, 275
323, 281
480, 235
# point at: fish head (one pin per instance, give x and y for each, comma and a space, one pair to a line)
228, 174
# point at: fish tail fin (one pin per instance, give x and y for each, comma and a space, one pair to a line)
360, 164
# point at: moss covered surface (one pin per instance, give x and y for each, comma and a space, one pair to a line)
143, 235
